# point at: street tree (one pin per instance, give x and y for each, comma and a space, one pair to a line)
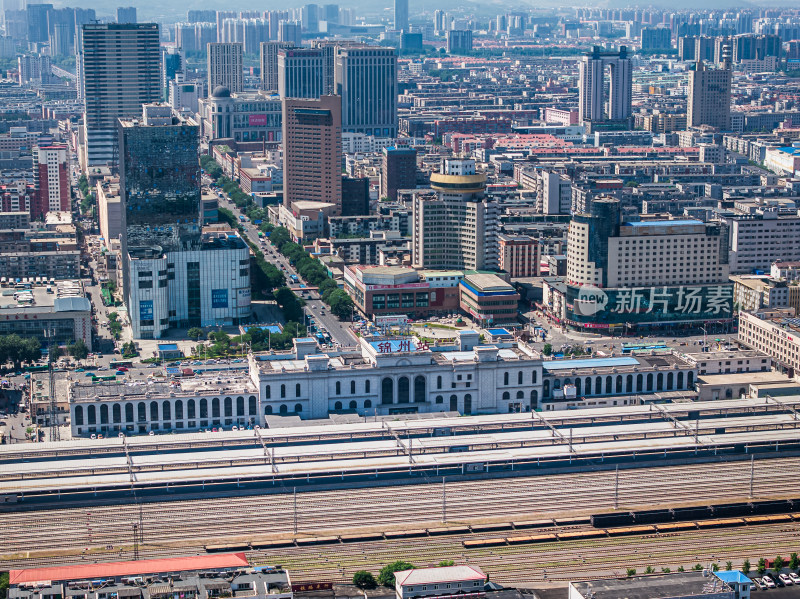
341, 304
386, 575
778, 564
364, 580
78, 350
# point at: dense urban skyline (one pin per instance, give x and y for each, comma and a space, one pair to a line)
399, 301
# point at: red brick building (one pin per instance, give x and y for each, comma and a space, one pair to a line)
52, 181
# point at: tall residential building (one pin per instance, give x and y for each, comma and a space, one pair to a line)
52, 180
174, 274
60, 44
655, 39
455, 227
366, 79
310, 18
38, 16
591, 101
126, 14
330, 13
398, 171
301, 73
459, 41
519, 255
290, 32
709, 96
401, 15
312, 151
119, 72
225, 67
269, 64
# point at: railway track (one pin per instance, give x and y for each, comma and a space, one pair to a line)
511, 564
186, 524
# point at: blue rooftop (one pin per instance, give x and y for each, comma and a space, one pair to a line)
167, 347
790, 150
732, 576
272, 328
662, 223
589, 363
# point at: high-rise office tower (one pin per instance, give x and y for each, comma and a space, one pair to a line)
301, 73
398, 171
709, 100
225, 67
126, 14
366, 78
52, 180
591, 99
401, 15
329, 49
312, 151
174, 274
456, 226
39, 16
269, 64
171, 65
290, 32
119, 72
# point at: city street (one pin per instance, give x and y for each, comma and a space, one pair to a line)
339, 331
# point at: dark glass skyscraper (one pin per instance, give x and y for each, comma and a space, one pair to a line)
160, 182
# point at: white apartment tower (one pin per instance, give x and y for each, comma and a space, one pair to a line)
225, 67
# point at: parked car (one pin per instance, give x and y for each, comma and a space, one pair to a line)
768, 582
785, 579
795, 578
757, 582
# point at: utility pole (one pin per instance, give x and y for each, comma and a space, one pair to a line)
616, 488
55, 433
135, 542
444, 500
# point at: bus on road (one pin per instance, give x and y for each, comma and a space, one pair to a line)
115, 364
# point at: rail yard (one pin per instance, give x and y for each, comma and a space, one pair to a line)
365, 454
500, 491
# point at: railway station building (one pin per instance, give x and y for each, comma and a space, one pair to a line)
617, 381
197, 403
400, 376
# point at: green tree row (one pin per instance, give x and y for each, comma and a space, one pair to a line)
313, 272
16, 349
778, 565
